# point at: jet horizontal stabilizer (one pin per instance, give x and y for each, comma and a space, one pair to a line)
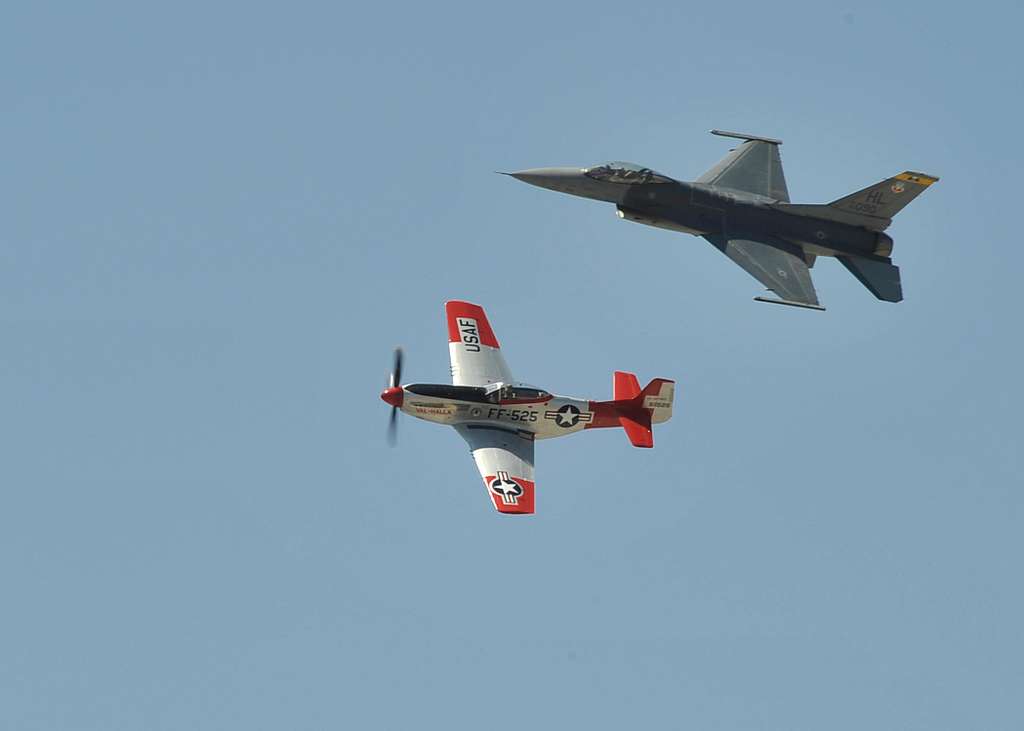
880, 276
791, 303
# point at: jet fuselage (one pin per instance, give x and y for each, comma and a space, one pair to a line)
703, 209
709, 210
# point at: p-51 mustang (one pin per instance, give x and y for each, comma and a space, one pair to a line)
742, 207
501, 418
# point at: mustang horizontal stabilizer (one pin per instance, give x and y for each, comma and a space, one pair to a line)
777, 265
638, 428
753, 167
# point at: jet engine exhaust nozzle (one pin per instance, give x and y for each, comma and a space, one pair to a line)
883, 247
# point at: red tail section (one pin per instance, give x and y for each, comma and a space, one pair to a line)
625, 386
635, 410
638, 427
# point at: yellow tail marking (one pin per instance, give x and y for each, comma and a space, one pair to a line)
919, 178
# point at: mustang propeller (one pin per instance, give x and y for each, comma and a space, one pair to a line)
393, 395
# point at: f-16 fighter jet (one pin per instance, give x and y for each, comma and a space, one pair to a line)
501, 418
742, 207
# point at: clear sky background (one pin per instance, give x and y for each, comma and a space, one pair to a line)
218, 222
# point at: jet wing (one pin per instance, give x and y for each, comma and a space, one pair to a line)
475, 354
753, 167
505, 460
778, 265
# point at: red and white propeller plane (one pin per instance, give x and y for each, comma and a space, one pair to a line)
500, 418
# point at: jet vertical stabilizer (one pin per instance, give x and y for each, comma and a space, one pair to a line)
873, 207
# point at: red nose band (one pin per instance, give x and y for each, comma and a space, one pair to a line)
393, 396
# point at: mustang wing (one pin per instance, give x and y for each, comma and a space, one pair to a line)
779, 266
474, 350
755, 167
505, 460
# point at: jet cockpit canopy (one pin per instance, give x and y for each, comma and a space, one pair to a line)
625, 172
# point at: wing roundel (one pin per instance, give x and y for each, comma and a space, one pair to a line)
777, 264
505, 461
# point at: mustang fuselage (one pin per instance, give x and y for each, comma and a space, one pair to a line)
521, 409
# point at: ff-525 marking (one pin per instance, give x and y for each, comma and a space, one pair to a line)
501, 418
741, 205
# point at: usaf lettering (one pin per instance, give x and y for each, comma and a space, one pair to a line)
470, 336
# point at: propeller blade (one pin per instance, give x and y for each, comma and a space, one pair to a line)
396, 371
393, 427
394, 380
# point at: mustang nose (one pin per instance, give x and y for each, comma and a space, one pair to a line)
560, 179
393, 396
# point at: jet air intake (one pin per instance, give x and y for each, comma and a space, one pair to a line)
631, 214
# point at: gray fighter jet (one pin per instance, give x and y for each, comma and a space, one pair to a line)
742, 207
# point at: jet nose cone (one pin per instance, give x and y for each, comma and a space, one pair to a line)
394, 396
560, 179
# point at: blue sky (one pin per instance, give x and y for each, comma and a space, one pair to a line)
219, 221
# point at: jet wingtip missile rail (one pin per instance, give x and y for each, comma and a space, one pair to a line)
750, 138
791, 303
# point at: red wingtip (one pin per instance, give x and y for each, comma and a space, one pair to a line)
468, 323
394, 396
511, 495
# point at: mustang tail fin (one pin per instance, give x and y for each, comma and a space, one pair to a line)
657, 398
872, 207
636, 409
